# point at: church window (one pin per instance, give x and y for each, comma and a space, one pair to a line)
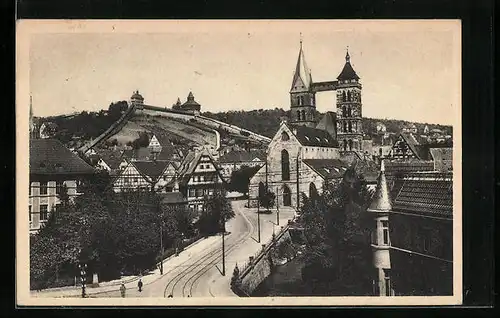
284, 136
298, 115
285, 165
344, 112
313, 99
350, 144
301, 100
345, 127
348, 96
303, 116
343, 96
350, 127
345, 145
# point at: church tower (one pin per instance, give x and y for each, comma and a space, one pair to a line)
302, 97
349, 124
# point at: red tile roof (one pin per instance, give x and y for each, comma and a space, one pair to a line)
50, 156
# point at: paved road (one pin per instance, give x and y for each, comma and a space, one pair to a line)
196, 272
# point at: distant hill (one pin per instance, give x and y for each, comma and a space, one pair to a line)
266, 122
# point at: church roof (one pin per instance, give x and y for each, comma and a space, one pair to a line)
348, 72
308, 136
50, 156
242, 156
327, 168
302, 78
328, 123
381, 200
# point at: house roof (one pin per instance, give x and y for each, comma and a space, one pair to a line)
242, 156
172, 198
50, 156
417, 145
308, 136
348, 72
327, 168
151, 169
327, 123
426, 196
406, 167
111, 157
50, 125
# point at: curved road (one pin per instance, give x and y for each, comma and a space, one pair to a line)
197, 270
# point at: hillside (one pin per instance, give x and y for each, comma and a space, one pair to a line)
266, 122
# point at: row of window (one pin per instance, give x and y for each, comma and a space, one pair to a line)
44, 187
350, 96
204, 166
200, 192
44, 212
204, 178
301, 100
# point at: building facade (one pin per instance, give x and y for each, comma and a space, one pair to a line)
53, 168
236, 159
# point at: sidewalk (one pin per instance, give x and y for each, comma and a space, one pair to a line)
130, 281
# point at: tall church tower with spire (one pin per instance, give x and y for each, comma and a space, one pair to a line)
349, 110
302, 96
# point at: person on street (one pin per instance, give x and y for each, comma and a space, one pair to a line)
139, 284
122, 290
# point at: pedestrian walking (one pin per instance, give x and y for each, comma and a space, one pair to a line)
122, 290
139, 284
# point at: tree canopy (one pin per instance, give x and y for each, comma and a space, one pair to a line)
240, 178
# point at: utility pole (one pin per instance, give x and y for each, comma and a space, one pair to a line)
223, 249
83, 274
277, 207
258, 220
298, 189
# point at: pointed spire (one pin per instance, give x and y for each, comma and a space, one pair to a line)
347, 56
348, 72
190, 96
381, 198
302, 75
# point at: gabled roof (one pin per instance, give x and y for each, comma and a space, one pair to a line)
418, 146
111, 157
442, 153
308, 136
302, 78
50, 156
242, 156
426, 196
327, 168
348, 72
151, 169
327, 123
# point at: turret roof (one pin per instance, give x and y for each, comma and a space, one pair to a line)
381, 199
348, 72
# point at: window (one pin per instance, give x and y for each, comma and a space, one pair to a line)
285, 165
43, 212
374, 234
343, 96
298, 115
303, 115
301, 100
136, 180
191, 206
199, 193
191, 192
43, 187
385, 232
200, 207
205, 191
349, 96
210, 192
387, 282
202, 178
29, 212
59, 186
350, 126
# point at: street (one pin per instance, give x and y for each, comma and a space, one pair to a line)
197, 271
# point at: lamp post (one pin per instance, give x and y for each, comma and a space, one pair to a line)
277, 207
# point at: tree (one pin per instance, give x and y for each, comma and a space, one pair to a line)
240, 178
338, 253
217, 210
267, 199
178, 222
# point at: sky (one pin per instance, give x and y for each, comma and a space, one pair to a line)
409, 70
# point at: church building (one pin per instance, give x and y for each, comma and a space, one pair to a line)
306, 151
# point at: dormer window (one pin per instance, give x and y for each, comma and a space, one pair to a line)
317, 138
307, 138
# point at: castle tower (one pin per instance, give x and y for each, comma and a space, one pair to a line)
380, 209
349, 109
137, 99
302, 97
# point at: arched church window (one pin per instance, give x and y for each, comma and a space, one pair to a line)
285, 165
343, 96
298, 115
350, 127
345, 127
303, 115
301, 100
350, 144
345, 145
348, 96
284, 136
344, 111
